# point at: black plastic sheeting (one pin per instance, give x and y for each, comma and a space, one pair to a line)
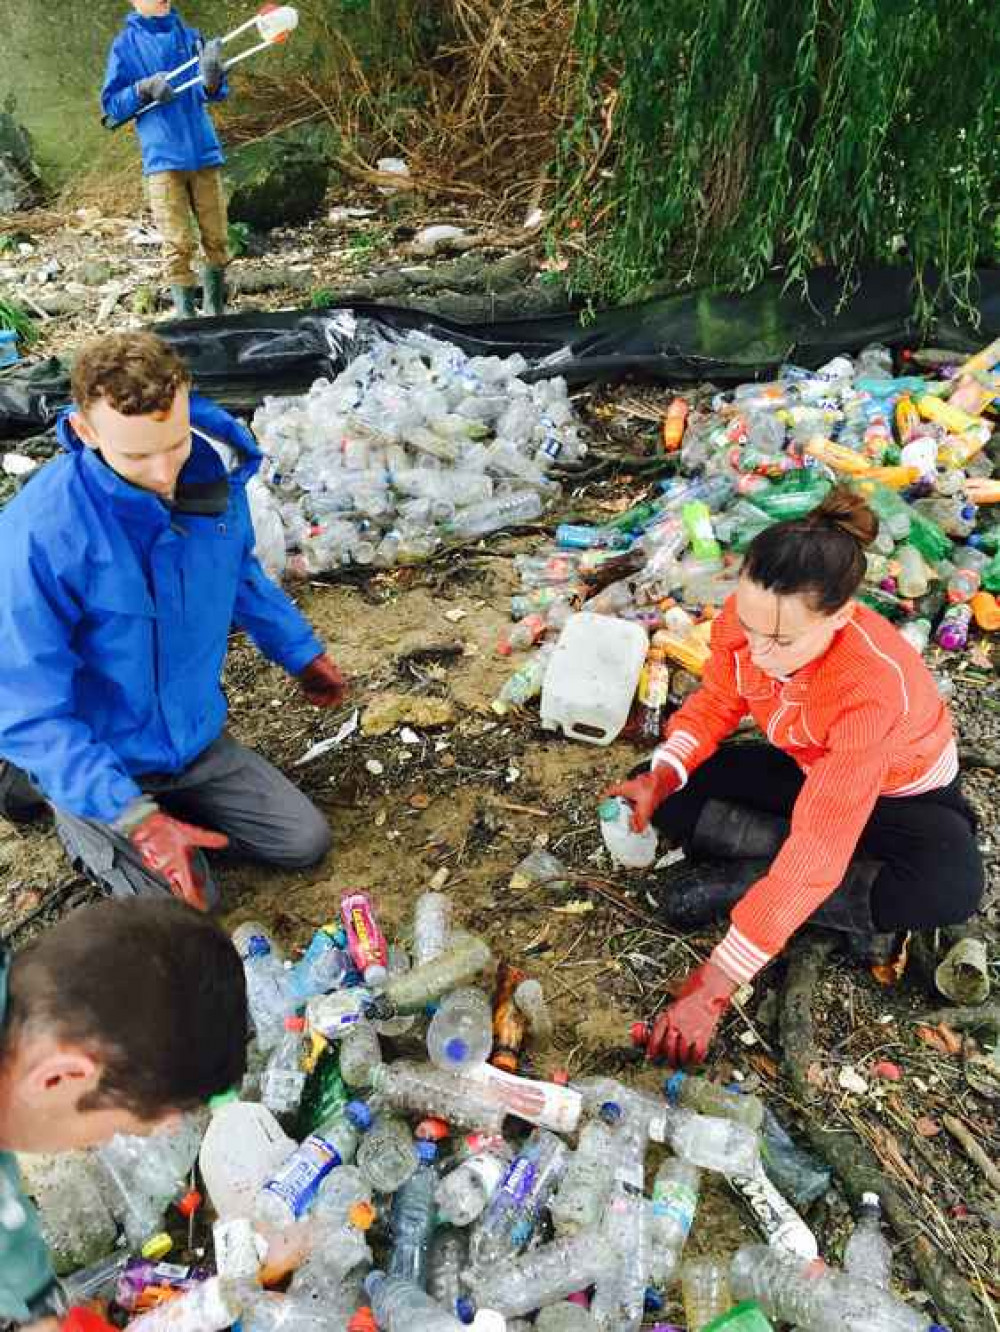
697, 335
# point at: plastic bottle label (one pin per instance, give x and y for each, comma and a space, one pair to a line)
297, 1182
676, 1202
519, 1181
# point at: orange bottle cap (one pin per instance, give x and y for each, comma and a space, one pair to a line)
190, 1203
361, 1215
362, 1320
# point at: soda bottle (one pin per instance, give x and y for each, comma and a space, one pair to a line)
627, 848
516, 1285
413, 1218
322, 967
652, 695
292, 1189
387, 1152
284, 1080
460, 1034
243, 1146
675, 1201
463, 1194
705, 1291
447, 1260
360, 1055
708, 1098
401, 1306
529, 998
422, 1089
409, 992
868, 1255
526, 682
269, 996
431, 926
324, 1094
953, 631
586, 1186
508, 1023
509, 1220
365, 940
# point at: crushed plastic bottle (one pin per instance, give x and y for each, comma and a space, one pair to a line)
401, 1306
409, 992
447, 1260
387, 1153
541, 1276
422, 1089
147, 1174
626, 847
705, 1290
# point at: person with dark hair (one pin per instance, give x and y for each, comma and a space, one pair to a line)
125, 565
117, 1020
850, 816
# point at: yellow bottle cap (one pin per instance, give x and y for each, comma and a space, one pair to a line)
157, 1246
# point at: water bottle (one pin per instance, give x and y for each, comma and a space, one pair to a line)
446, 1261
586, 1186
401, 1306
265, 1311
530, 999
209, 1306
620, 1295
479, 520
460, 1034
953, 631
820, 1298
243, 1146
322, 967
627, 848
76, 1221
526, 682
868, 1255
422, 1089
290, 1192
360, 1055
912, 579
517, 1285
269, 997
563, 1316
398, 963
413, 1218
283, 1080
965, 580
712, 1143
333, 1015
512, 1214
783, 1228
705, 1291
464, 1192
410, 992
708, 1098
387, 1153
431, 926
147, 1174
338, 1247
674, 1203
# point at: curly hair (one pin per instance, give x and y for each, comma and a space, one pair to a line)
137, 373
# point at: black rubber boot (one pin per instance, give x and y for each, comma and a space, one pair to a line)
19, 801
698, 893
848, 911
733, 832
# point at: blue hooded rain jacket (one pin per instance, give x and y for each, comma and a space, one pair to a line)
176, 136
115, 612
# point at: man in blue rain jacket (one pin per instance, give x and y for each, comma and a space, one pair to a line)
181, 155
124, 566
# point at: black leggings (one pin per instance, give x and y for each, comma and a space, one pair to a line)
932, 872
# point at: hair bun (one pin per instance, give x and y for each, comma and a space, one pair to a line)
844, 508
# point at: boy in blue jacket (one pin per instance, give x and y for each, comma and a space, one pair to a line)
181, 155
124, 566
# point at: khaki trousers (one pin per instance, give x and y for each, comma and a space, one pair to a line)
173, 197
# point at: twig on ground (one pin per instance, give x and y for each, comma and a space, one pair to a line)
972, 1149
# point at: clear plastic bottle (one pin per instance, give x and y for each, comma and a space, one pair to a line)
269, 997
917, 633
401, 1306
422, 1089
530, 999
431, 926
541, 1276
360, 1055
539, 867
207, 1307
708, 1098
283, 1080
338, 1247
546, 1104
619, 1297
243, 1146
868, 1255
713, 1143
322, 967
627, 848
464, 1192
409, 992
398, 962
147, 1174
526, 682
586, 1186
674, 1203
564, 1316
460, 1034
387, 1152
413, 1218
76, 1220
705, 1290
817, 1297
512, 1214
522, 506
965, 581
446, 1261
292, 1189
912, 579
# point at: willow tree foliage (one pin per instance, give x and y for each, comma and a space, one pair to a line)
717, 139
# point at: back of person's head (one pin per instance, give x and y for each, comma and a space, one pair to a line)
820, 557
138, 374
154, 991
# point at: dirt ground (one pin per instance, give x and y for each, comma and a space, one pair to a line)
460, 803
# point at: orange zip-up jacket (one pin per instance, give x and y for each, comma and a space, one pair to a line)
864, 720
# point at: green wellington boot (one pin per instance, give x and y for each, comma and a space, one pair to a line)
214, 288
183, 298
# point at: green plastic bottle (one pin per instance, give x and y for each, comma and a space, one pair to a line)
745, 1317
697, 520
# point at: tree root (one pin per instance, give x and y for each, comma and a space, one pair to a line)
852, 1160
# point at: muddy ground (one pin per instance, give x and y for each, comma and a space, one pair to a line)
464, 800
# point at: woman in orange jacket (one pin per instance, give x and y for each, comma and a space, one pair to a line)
849, 816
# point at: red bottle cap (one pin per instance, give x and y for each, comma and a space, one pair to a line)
560, 1076
363, 1320
639, 1032
190, 1203
295, 1024
84, 1320
432, 1130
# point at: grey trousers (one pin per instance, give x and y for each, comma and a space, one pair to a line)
228, 789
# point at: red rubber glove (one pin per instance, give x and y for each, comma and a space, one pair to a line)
647, 792
166, 845
322, 682
682, 1033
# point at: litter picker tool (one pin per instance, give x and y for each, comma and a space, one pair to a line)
274, 24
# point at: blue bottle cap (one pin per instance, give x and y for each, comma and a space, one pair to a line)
352, 979
652, 1300
465, 1308
359, 1114
431, 1008
427, 1151
457, 1050
610, 1112
672, 1086
257, 946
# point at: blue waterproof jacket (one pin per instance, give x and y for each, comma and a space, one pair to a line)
115, 611
179, 135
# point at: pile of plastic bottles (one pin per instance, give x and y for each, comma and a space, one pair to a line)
414, 443
389, 1164
916, 446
